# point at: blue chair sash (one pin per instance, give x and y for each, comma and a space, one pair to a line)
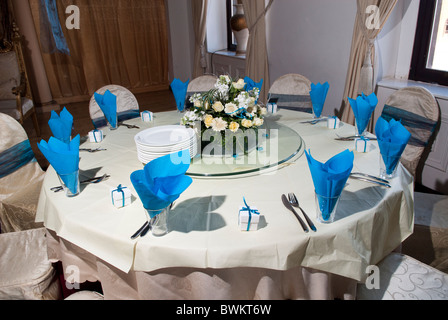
421, 128
15, 157
122, 116
292, 102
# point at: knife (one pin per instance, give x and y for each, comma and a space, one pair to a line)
289, 206
139, 231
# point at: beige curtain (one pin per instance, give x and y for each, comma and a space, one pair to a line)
199, 8
256, 53
360, 74
123, 42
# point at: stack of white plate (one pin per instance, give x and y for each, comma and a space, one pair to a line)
159, 141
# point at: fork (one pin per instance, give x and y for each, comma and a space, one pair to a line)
295, 203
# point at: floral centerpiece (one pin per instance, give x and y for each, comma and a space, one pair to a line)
227, 107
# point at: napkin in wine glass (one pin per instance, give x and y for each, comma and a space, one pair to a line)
108, 104
392, 139
61, 125
179, 89
362, 108
318, 94
329, 178
63, 157
162, 180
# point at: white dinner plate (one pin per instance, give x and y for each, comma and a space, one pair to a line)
164, 136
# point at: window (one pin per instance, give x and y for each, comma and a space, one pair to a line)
430, 56
230, 11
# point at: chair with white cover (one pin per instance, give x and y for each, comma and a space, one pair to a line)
404, 278
127, 105
201, 84
85, 295
26, 273
291, 91
16, 98
21, 178
418, 111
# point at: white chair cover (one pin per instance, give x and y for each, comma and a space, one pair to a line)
19, 190
85, 295
418, 111
26, 273
429, 242
201, 84
404, 278
291, 91
127, 105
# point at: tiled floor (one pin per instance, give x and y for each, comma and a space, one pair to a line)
154, 101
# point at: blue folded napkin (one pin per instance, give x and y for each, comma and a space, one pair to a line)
251, 84
162, 180
362, 108
318, 94
329, 178
392, 139
179, 89
61, 125
108, 104
63, 157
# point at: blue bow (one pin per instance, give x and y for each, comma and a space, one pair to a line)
119, 189
365, 139
251, 211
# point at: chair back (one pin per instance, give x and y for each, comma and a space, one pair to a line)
291, 91
201, 84
418, 111
19, 174
127, 105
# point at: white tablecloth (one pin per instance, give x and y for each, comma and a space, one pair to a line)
370, 222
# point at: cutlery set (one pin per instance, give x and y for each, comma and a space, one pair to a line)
368, 178
92, 150
91, 180
292, 202
129, 126
351, 138
314, 121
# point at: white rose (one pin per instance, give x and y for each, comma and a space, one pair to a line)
230, 108
239, 85
217, 106
258, 122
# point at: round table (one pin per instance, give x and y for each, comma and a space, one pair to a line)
205, 240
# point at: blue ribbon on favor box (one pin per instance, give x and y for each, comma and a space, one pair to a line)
251, 211
119, 189
365, 139
94, 135
335, 120
148, 113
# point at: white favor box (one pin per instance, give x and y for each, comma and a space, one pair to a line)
272, 107
147, 116
333, 122
117, 196
96, 135
362, 145
243, 219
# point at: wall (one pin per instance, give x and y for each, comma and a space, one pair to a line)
313, 38
181, 38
